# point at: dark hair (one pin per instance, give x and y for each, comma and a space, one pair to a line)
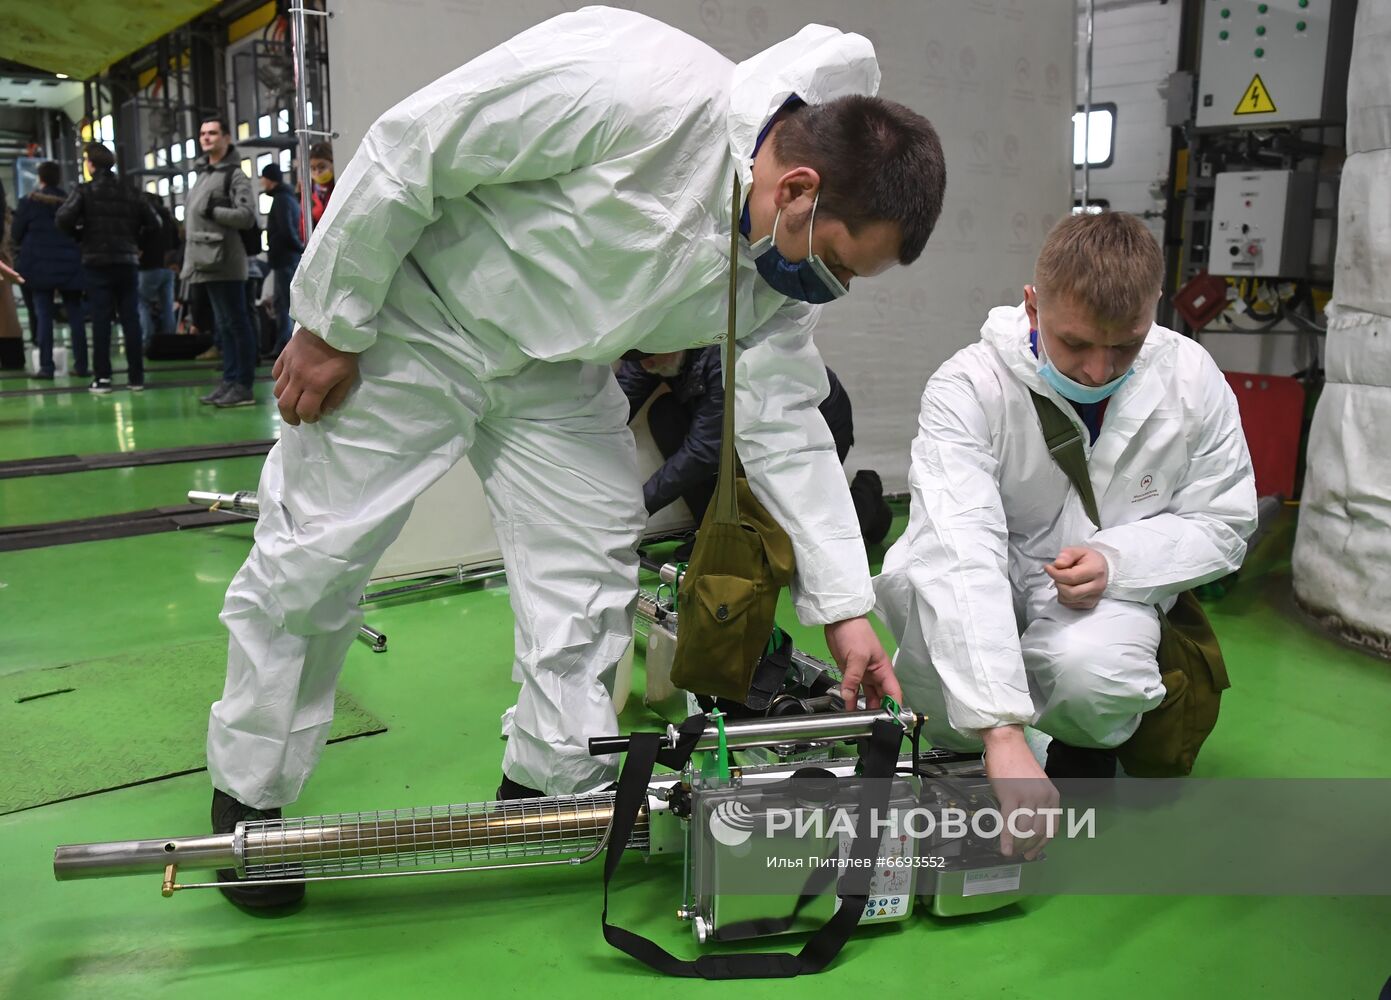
221, 123
99, 156
878, 161
321, 151
272, 173
50, 174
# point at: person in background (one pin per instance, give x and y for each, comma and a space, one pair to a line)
686, 425
51, 262
160, 256
109, 219
219, 204
285, 246
321, 173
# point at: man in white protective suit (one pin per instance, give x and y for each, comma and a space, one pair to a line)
499, 239
1010, 607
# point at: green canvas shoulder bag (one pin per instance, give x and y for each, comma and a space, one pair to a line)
727, 598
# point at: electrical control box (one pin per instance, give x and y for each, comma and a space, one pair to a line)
1262, 224
1275, 62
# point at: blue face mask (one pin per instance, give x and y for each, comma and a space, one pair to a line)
808, 280
1076, 391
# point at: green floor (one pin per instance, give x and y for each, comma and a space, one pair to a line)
1302, 706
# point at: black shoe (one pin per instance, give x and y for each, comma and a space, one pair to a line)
81, 373
227, 812
100, 387
871, 509
211, 398
1066, 761
42, 376
510, 789
682, 552
236, 395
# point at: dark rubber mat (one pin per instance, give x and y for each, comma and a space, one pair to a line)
97, 529
53, 465
84, 728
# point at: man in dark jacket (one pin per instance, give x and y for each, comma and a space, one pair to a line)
50, 262
159, 252
686, 425
108, 219
217, 207
284, 246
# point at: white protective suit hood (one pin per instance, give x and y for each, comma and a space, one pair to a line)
818, 64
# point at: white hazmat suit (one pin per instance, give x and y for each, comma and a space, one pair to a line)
499, 238
983, 641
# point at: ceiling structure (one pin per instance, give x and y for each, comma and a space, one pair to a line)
80, 38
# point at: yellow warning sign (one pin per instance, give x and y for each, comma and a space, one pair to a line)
1256, 100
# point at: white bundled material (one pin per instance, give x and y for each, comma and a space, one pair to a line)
1357, 351
1343, 547
1369, 79
1362, 272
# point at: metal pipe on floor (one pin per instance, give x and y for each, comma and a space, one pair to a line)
242, 503
375, 639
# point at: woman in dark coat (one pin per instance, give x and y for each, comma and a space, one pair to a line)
50, 261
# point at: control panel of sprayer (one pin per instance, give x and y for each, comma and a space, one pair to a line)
759, 812
764, 810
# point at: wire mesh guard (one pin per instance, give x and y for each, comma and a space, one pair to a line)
479, 833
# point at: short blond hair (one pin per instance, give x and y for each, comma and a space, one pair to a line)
1109, 264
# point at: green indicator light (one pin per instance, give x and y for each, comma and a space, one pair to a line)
1226, 12
1223, 35
1300, 26
1260, 53
1260, 30
1303, 3
1262, 7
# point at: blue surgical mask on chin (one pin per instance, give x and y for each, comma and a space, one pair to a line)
1076, 391
808, 280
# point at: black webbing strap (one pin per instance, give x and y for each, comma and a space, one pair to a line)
877, 762
1064, 443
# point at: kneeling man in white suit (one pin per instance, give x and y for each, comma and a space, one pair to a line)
1010, 607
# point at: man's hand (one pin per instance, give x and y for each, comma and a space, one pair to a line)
311, 378
8, 273
1081, 576
861, 658
1022, 788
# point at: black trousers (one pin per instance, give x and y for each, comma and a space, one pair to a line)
669, 420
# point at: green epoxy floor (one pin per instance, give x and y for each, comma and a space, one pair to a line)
79, 423
1303, 706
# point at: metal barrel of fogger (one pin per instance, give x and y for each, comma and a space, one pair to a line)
773, 731
470, 834
242, 502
